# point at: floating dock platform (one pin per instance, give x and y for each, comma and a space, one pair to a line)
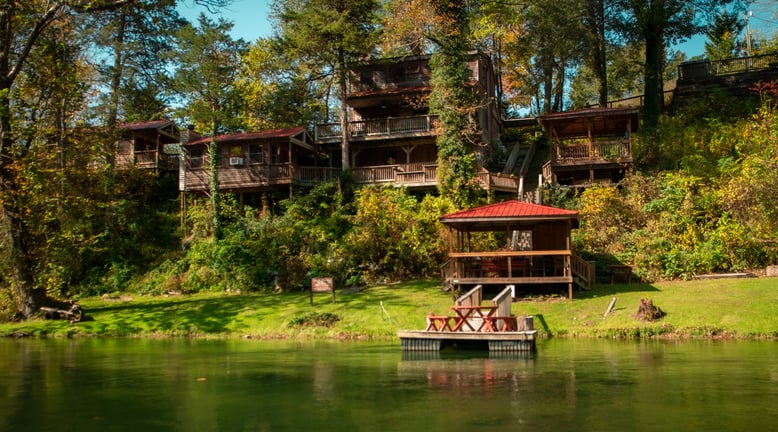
423, 340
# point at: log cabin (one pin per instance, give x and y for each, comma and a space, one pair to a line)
148, 145
589, 146
392, 134
270, 160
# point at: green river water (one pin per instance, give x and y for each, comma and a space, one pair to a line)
246, 385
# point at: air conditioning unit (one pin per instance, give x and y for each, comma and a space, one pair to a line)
236, 161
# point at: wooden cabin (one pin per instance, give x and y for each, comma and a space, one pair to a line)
514, 243
589, 146
392, 135
148, 145
277, 159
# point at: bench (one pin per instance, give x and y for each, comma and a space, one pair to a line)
470, 298
466, 319
502, 320
439, 322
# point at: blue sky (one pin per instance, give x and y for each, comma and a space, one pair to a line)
251, 21
250, 17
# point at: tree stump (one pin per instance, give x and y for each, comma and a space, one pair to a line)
648, 312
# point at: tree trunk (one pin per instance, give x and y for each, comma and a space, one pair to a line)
344, 129
117, 71
22, 279
653, 98
213, 153
599, 55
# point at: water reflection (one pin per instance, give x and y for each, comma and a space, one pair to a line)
182, 385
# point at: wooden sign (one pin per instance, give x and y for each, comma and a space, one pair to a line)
322, 284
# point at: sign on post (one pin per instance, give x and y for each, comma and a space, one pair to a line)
322, 284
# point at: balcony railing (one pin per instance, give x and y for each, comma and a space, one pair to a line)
155, 159
413, 174
706, 68
380, 128
602, 151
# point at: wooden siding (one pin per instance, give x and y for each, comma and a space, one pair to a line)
258, 177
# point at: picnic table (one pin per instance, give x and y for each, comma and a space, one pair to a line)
465, 316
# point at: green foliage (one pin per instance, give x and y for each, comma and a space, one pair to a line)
315, 319
395, 235
715, 212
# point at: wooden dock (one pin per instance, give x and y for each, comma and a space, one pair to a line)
423, 340
475, 322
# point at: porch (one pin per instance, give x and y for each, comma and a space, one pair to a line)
517, 268
513, 243
365, 130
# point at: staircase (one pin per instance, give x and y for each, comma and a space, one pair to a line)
519, 159
582, 271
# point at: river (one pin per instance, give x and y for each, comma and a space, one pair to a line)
247, 385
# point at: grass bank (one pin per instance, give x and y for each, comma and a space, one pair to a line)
734, 308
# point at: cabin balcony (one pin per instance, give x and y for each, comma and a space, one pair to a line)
517, 267
378, 129
258, 177
411, 175
600, 152
154, 159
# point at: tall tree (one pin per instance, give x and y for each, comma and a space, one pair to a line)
22, 25
594, 21
206, 81
659, 24
723, 35
453, 100
329, 35
407, 25
279, 90
131, 39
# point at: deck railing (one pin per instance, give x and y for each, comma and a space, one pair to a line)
598, 151
387, 127
155, 159
510, 264
707, 68
490, 181
583, 271
412, 174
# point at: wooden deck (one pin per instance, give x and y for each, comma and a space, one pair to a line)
421, 340
490, 323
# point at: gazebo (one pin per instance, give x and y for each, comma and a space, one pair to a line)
514, 243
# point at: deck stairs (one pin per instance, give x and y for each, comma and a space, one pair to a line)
519, 159
582, 271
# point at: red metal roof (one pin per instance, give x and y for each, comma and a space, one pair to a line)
512, 209
253, 136
507, 215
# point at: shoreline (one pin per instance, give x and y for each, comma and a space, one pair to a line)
718, 309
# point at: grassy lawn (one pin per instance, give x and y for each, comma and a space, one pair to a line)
746, 308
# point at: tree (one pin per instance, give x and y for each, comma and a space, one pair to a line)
328, 35
407, 25
594, 21
658, 24
130, 39
279, 90
206, 80
22, 25
722, 35
453, 101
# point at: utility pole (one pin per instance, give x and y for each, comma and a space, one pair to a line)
748, 34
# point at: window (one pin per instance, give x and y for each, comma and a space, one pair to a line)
256, 155
521, 240
196, 158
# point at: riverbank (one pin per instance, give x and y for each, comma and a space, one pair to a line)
715, 308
